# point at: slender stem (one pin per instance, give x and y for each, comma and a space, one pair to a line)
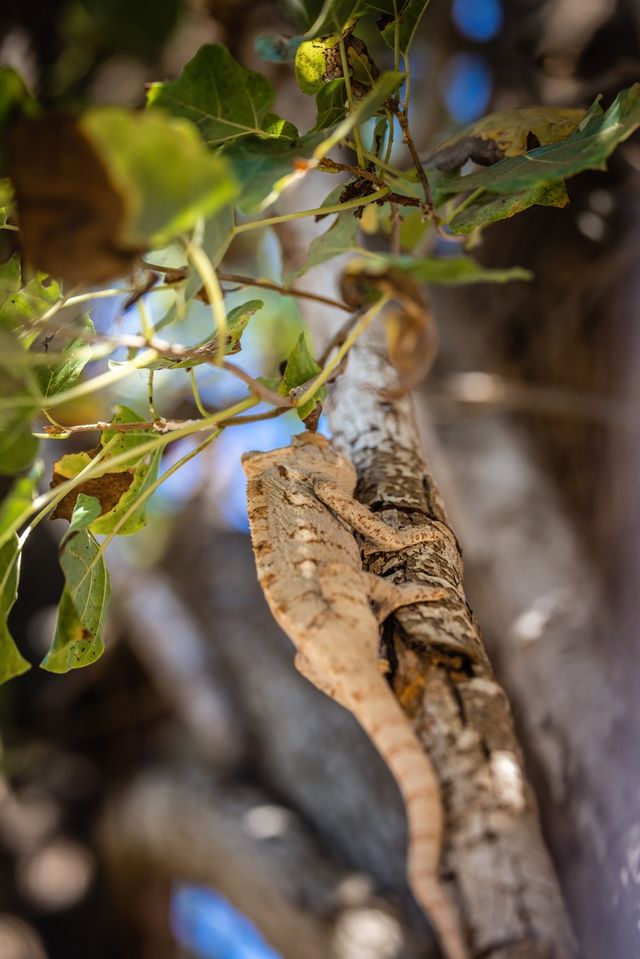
197, 399
331, 166
145, 320
284, 290
347, 85
214, 292
322, 210
403, 120
257, 388
342, 351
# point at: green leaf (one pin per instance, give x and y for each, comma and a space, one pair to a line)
331, 104
315, 61
82, 612
18, 446
20, 496
281, 129
409, 17
206, 350
336, 16
222, 98
12, 662
488, 208
386, 84
21, 306
586, 149
15, 100
65, 373
446, 271
86, 510
301, 367
265, 167
340, 238
158, 164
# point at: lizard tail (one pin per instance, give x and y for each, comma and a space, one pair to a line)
382, 717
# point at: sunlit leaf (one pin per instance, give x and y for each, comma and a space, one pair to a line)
12, 662
317, 62
586, 149
488, 207
219, 95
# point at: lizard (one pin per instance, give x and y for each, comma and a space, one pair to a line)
302, 512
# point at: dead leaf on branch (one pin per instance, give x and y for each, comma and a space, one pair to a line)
505, 133
108, 489
68, 210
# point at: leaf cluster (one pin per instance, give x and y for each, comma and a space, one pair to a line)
151, 200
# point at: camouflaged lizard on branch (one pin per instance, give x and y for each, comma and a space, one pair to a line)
302, 512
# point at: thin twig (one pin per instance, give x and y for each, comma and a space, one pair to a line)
403, 120
284, 290
256, 387
160, 425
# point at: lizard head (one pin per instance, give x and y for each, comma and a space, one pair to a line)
309, 454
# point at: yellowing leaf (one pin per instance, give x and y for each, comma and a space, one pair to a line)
505, 133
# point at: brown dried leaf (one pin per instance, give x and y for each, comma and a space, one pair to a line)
69, 212
108, 490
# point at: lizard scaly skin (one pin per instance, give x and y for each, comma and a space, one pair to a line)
301, 506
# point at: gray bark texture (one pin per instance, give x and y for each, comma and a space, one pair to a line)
495, 856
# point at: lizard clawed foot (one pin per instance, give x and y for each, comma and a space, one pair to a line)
387, 596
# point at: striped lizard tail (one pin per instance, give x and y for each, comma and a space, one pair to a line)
380, 714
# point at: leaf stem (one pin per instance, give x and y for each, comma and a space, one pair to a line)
284, 290
321, 210
347, 85
214, 292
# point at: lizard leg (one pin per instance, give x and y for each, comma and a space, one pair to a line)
364, 521
387, 596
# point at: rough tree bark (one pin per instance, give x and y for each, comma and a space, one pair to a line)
494, 854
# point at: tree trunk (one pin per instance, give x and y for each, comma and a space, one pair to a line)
494, 857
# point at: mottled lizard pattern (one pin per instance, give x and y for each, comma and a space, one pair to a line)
302, 512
